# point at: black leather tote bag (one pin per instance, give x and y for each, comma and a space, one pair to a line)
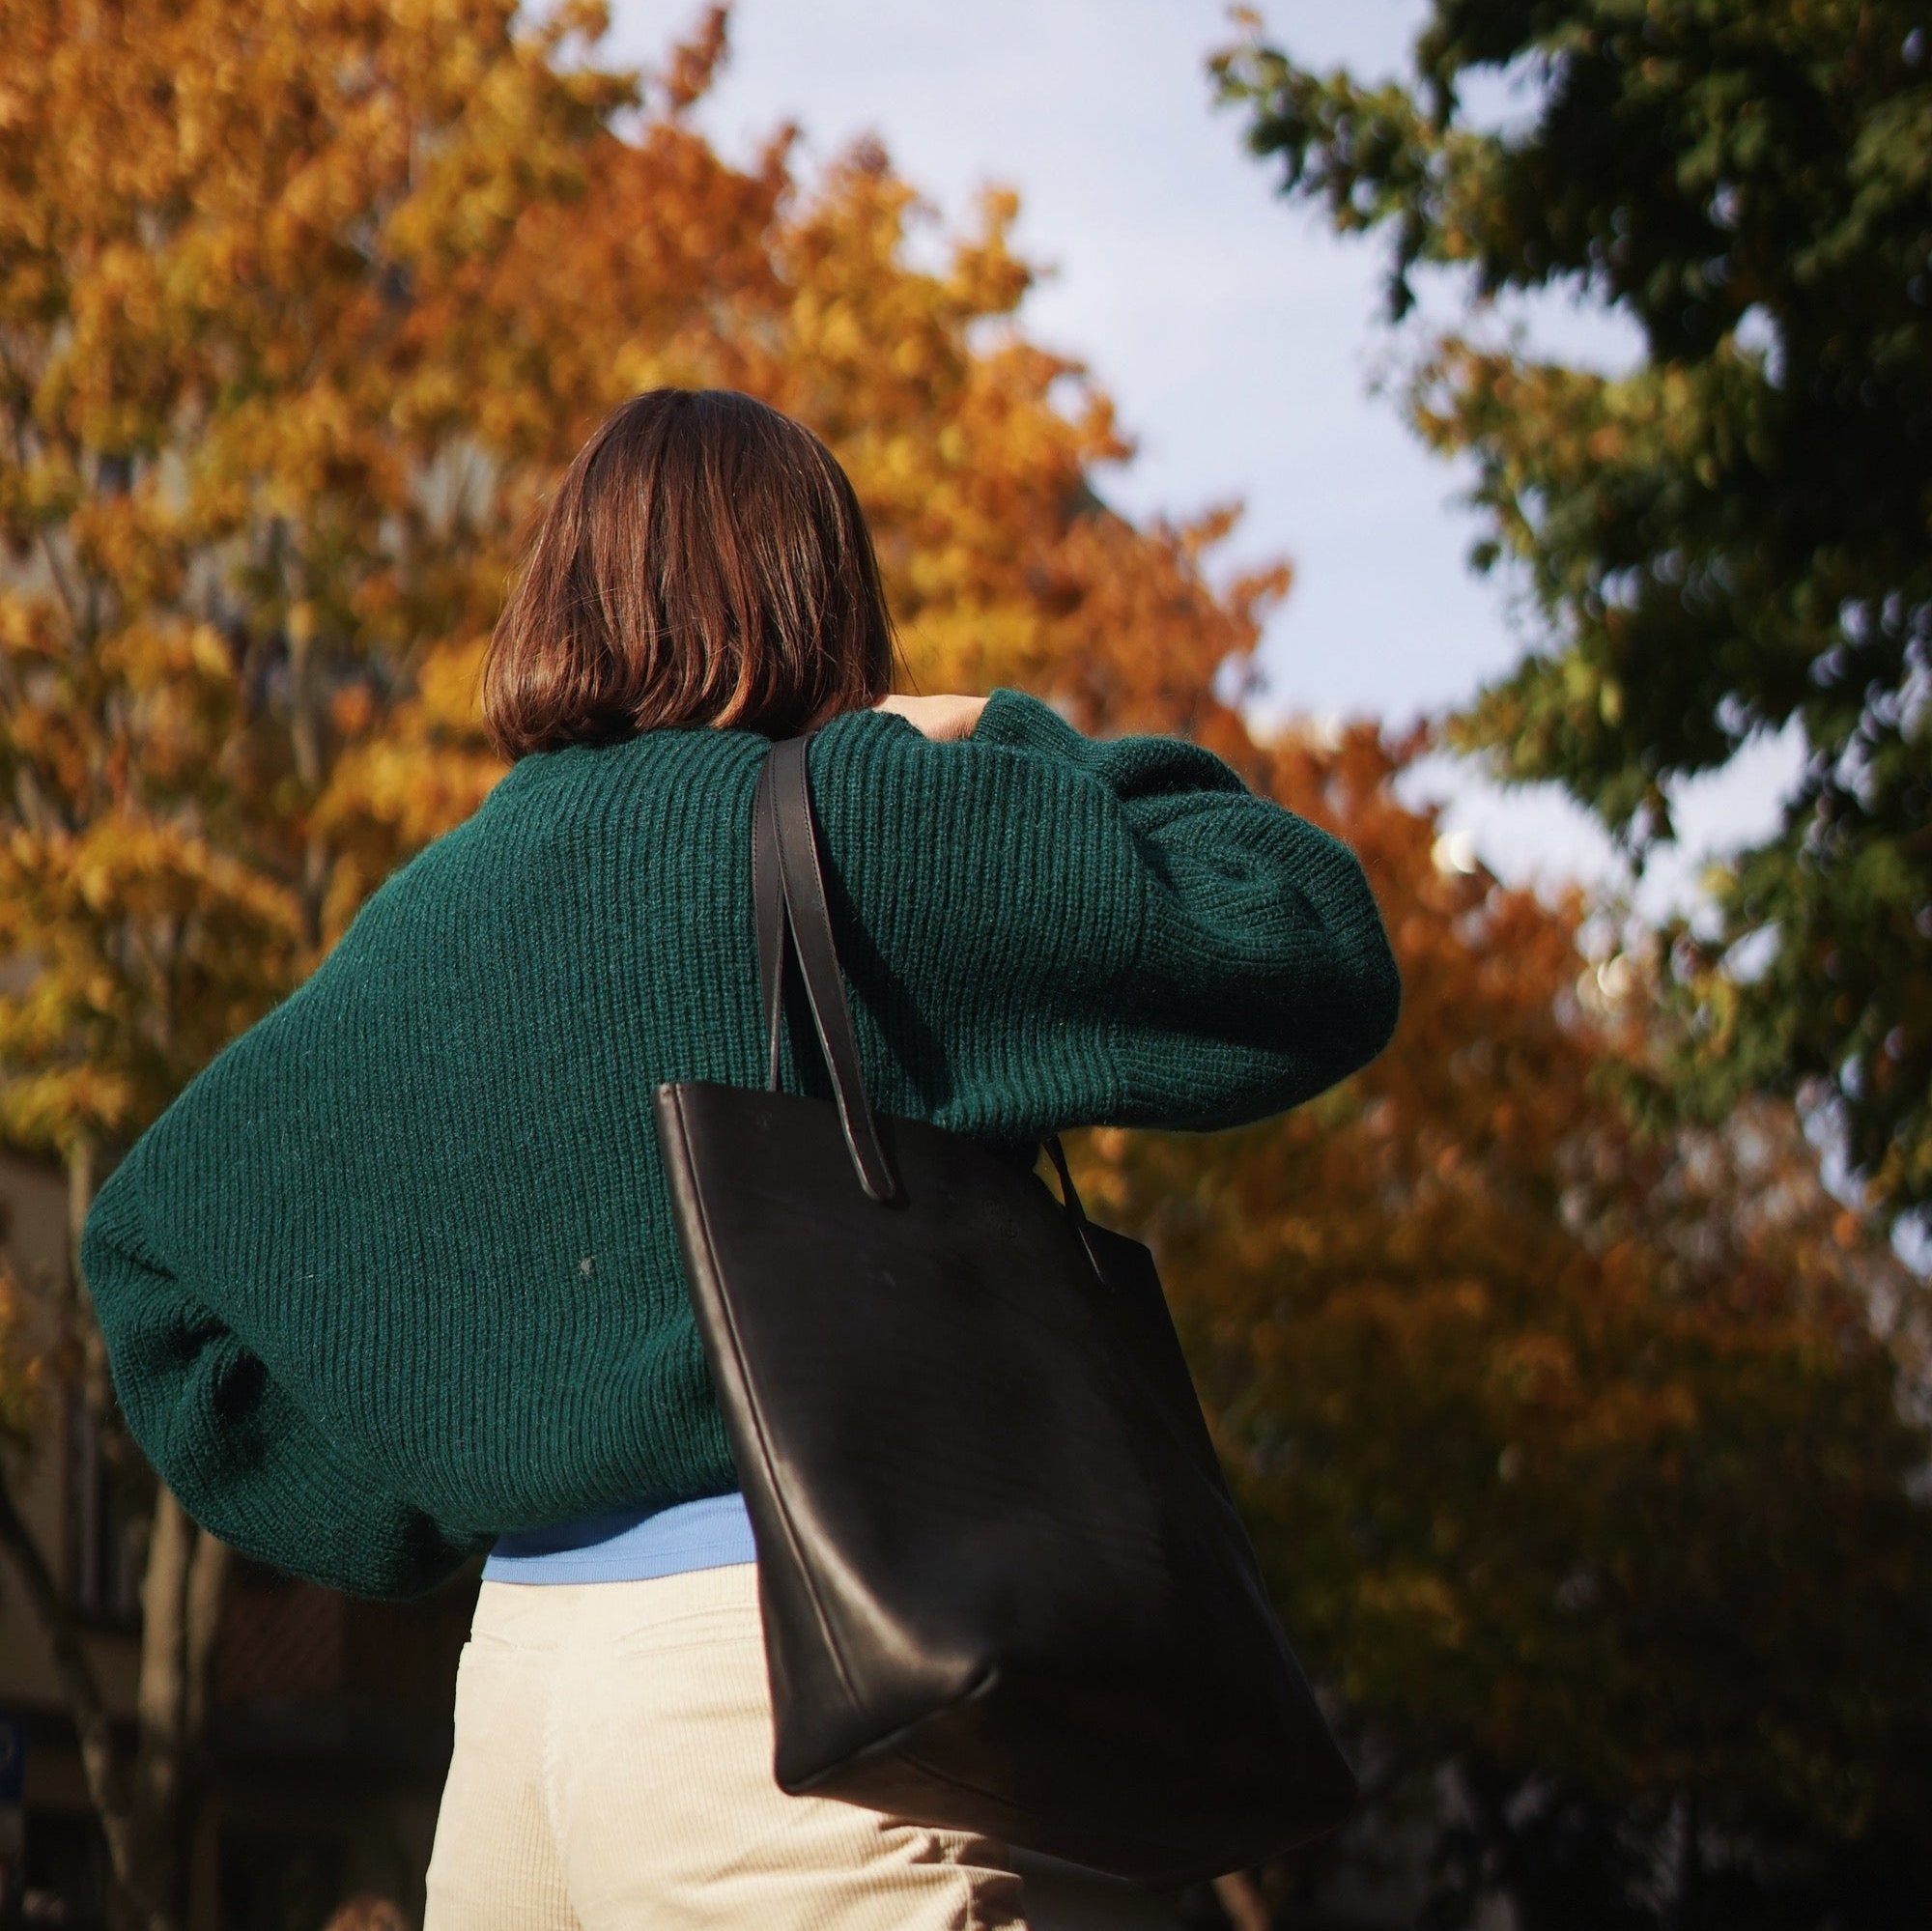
1002, 1582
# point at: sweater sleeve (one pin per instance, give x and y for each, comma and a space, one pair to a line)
1053, 929
227, 1432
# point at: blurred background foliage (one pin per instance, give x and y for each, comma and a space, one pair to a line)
1729, 537
1578, 1407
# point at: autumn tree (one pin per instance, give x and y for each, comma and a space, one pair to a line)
1579, 1454
300, 316
1730, 538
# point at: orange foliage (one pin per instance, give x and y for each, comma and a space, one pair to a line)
1569, 1443
1550, 1431
307, 310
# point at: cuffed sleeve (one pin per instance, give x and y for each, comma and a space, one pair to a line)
229, 1436
1106, 931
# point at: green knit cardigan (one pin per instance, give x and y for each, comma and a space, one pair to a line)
395, 1272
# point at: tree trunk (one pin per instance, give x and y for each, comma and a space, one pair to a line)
147, 1808
104, 1776
160, 1702
206, 1584
79, 1329
181, 1607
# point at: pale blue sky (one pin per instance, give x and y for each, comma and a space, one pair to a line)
1238, 337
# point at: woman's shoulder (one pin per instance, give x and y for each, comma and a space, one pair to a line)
551, 811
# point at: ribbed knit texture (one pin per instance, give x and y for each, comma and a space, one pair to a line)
396, 1270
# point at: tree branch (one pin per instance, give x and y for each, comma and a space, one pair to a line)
78, 1683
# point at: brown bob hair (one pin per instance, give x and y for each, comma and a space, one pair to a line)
704, 560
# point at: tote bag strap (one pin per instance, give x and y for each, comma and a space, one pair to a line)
789, 889
788, 899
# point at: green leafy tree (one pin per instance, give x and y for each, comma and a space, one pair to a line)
1735, 535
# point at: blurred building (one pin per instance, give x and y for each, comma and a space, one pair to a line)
329, 1717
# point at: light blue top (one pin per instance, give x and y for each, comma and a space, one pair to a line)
627, 1545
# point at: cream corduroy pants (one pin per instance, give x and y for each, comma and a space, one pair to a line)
612, 1772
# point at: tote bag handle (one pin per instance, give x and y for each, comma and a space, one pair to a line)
788, 896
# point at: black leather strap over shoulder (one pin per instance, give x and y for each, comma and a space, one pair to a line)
787, 869
769, 910
788, 900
